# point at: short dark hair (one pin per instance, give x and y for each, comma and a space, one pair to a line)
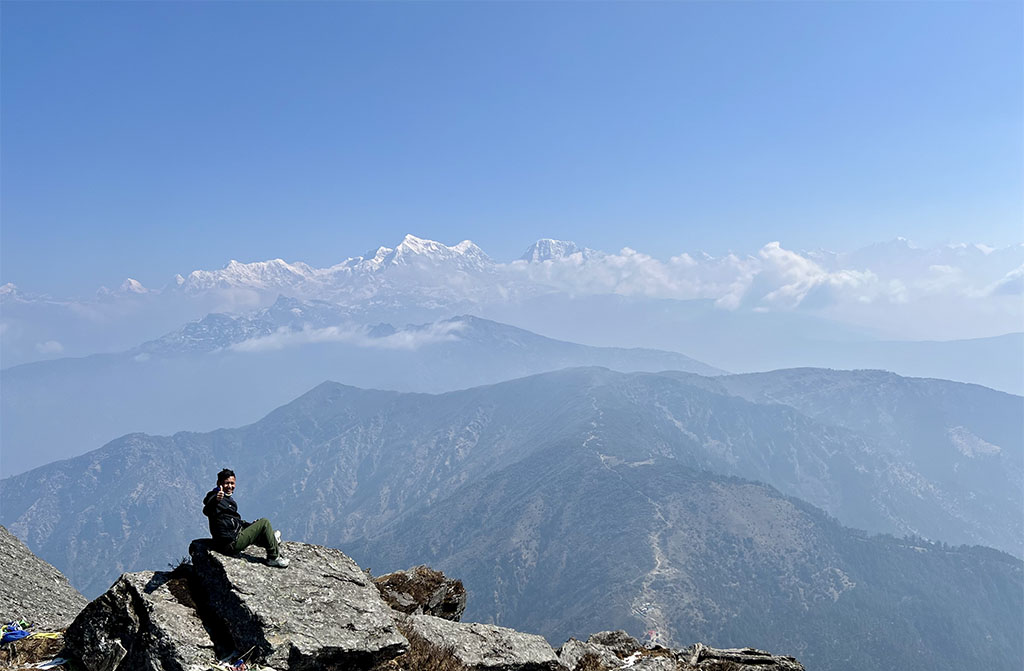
224, 475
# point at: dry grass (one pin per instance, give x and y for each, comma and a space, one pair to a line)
422, 656
19, 654
590, 662
420, 587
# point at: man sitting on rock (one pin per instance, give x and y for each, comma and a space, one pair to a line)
230, 533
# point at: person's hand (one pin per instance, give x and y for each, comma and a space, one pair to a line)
220, 492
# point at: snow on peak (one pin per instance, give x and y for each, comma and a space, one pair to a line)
132, 286
411, 244
547, 249
419, 251
8, 289
260, 275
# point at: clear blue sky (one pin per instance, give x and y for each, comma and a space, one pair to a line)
143, 139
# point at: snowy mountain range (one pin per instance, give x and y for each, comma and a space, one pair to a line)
987, 270
894, 270
300, 278
775, 308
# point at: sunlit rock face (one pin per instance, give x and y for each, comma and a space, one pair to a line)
34, 590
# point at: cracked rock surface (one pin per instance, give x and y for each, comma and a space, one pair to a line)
146, 621
320, 612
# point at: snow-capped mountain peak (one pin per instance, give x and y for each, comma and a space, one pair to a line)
547, 249
260, 274
464, 256
132, 286
435, 251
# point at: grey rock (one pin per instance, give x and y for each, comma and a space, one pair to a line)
617, 650
322, 611
572, 651
486, 647
701, 657
618, 642
146, 621
33, 590
644, 662
423, 591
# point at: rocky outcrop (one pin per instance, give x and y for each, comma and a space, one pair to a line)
33, 590
322, 611
613, 650
423, 591
743, 659
485, 647
145, 620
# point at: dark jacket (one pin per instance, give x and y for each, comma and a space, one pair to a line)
225, 523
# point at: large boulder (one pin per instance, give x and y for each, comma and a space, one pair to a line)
320, 612
423, 591
573, 653
33, 590
146, 621
484, 647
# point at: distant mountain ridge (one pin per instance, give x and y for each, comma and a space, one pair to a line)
229, 370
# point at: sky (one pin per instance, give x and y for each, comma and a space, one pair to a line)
148, 139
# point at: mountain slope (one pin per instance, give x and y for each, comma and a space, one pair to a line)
965, 437
340, 463
566, 540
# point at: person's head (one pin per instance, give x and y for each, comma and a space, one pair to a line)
226, 481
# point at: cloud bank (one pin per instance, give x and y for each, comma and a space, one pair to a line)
357, 336
777, 278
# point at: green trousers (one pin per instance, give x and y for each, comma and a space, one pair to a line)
258, 533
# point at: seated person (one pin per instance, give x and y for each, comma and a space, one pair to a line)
230, 533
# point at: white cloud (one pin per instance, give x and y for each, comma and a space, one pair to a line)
1012, 284
358, 336
634, 273
784, 279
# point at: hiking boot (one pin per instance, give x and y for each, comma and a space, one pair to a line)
279, 562
277, 535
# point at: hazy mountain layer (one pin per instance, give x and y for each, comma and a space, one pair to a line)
340, 463
226, 370
960, 435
